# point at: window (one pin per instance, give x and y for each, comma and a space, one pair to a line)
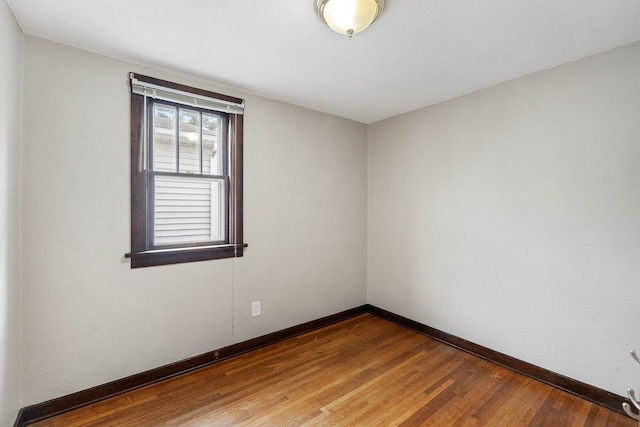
186, 174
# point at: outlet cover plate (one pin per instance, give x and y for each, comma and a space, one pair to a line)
256, 310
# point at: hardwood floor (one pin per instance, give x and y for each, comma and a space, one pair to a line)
363, 371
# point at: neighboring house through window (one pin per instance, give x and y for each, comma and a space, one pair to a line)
186, 173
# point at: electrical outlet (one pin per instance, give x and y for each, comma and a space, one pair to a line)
256, 310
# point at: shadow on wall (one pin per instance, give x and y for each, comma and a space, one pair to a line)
9, 291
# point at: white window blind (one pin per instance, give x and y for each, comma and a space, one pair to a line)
168, 94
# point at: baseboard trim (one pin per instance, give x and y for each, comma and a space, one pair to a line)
594, 394
50, 408
41, 411
18, 418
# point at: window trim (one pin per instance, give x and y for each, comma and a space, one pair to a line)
142, 254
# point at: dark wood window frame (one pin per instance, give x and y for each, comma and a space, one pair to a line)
142, 253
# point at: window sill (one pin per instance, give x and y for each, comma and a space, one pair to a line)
180, 255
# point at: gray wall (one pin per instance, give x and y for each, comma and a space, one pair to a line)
87, 318
11, 40
511, 217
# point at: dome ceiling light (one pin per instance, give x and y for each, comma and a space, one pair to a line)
349, 17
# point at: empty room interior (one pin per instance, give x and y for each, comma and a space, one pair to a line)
319, 212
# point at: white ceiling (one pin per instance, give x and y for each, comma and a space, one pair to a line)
419, 52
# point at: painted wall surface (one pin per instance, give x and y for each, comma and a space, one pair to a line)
11, 40
511, 217
87, 317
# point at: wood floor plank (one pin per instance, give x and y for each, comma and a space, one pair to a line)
362, 371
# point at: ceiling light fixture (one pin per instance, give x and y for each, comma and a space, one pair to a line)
349, 17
